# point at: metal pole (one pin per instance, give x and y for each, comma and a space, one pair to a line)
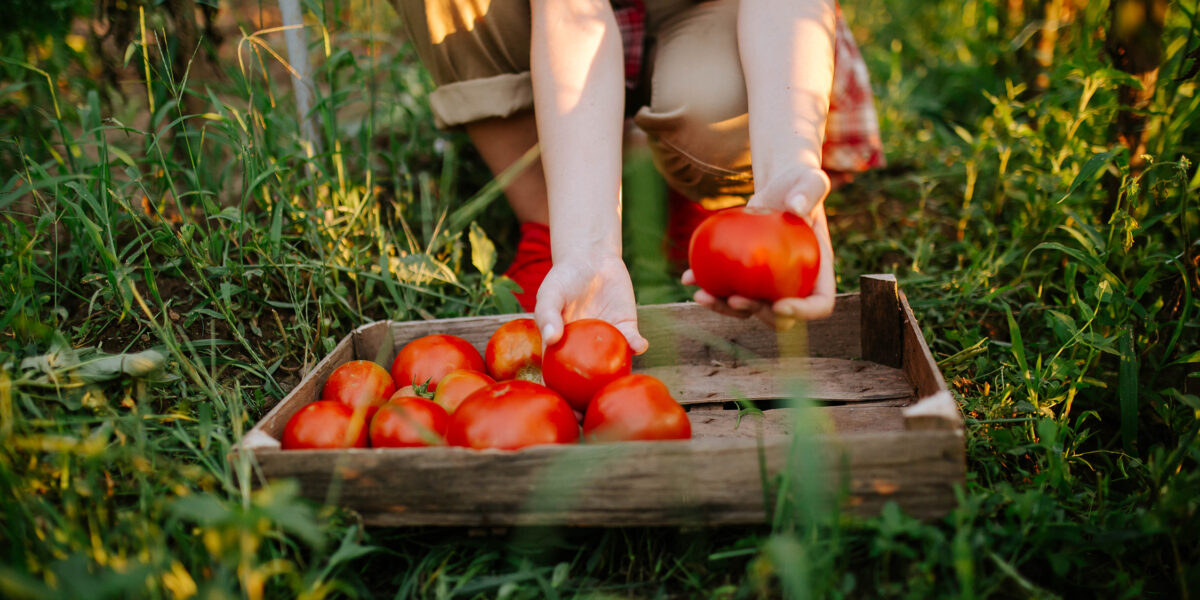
297, 49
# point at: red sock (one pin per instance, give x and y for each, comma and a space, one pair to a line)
683, 217
531, 263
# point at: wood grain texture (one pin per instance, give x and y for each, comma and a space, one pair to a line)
938, 411
680, 333
782, 421
881, 320
919, 366
913, 456
701, 482
823, 379
935, 407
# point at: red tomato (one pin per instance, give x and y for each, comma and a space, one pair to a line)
510, 415
425, 360
325, 424
758, 253
359, 383
408, 422
635, 407
409, 390
590, 354
457, 385
515, 347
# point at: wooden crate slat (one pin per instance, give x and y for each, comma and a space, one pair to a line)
824, 379
881, 320
647, 483
919, 365
897, 431
936, 408
779, 422
678, 333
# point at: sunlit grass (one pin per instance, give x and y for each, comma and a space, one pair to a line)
166, 274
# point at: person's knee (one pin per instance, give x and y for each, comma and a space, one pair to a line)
704, 160
697, 121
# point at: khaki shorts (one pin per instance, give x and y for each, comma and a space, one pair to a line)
695, 117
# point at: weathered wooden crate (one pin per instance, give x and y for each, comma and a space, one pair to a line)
886, 425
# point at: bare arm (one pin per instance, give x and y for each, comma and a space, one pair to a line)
786, 49
577, 70
787, 55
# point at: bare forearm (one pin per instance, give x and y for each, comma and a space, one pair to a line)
786, 48
576, 65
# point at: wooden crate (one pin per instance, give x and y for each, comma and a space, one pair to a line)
887, 428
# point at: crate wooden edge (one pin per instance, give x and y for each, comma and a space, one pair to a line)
934, 411
362, 342
897, 341
879, 299
704, 485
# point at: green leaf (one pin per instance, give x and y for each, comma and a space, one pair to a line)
122, 156
1090, 260
562, 571
1187, 358
231, 214
503, 298
1127, 391
1018, 350
204, 509
1089, 170
276, 233
423, 268
129, 50
282, 503
138, 364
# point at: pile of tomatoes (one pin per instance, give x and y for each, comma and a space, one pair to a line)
442, 391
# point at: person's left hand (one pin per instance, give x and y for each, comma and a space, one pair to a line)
594, 286
801, 191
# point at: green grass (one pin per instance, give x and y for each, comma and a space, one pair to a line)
205, 244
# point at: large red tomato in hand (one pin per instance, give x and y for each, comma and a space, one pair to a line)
510, 415
635, 407
590, 354
425, 360
457, 385
757, 253
325, 424
514, 349
409, 422
359, 383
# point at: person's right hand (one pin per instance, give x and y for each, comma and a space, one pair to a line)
584, 287
801, 191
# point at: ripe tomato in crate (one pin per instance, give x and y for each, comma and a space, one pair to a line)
880, 418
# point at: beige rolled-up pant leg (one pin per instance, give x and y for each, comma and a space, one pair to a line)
697, 121
478, 54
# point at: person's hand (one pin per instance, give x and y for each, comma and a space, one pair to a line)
588, 287
801, 191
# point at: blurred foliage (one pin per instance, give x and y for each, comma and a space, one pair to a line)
168, 274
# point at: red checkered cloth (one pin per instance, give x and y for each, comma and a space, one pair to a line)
631, 20
852, 141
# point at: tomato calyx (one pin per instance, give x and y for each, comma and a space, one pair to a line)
530, 373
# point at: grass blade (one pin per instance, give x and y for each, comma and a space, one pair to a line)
1127, 390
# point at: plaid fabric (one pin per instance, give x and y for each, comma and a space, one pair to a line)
852, 141
631, 20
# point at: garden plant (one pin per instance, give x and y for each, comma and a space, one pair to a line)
176, 254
